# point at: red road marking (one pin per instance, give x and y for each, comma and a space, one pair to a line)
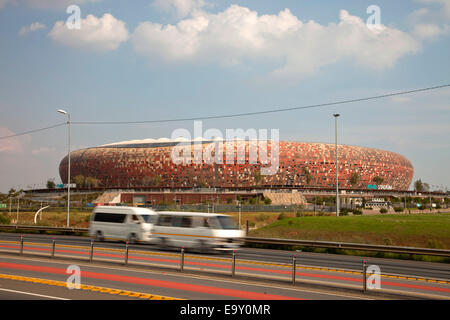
310, 275
153, 282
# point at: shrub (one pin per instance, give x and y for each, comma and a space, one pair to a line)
261, 217
435, 244
357, 212
343, 212
383, 210
282, 216
398, 209
4, 219
267, 201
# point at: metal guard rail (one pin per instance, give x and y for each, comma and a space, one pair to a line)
273, 241
350, 246
42, 228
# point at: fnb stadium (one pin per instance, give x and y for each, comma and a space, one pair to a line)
150, 164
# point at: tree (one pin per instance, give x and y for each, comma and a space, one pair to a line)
90, 182
420, 186
354, 179
51, 184
378, 180
12, 192
147, 181
80, 181
156, 181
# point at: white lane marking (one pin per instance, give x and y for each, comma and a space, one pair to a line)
34, 294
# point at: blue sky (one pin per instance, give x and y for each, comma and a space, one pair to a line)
149, 60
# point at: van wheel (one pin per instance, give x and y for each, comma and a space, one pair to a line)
99, 236
163, 244
201, 246
132, 239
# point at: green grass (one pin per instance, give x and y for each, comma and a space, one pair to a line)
419, 230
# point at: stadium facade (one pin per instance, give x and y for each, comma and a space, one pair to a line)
149, 163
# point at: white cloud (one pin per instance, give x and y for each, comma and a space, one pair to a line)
43, 150
10, 145
401, 99
443, 4
300, 48
182, 8
31, 28
96, 34
431, 22
430, 30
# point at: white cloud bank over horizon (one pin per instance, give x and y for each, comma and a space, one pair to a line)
300, 48
296, 49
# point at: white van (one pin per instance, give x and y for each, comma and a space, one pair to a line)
194, 230
122, 223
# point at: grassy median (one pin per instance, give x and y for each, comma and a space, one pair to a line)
415, 230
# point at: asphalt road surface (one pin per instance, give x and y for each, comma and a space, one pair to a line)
419, 279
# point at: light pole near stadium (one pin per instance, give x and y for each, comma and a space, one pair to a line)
336, 115
68, 169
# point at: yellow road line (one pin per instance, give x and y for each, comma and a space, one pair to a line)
229, 261
141, 295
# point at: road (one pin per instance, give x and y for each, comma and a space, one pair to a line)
164, 285
317, 275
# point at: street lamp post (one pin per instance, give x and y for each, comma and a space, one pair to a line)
336, 115
68, 170
240, 225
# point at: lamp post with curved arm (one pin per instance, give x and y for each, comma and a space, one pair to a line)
336, 115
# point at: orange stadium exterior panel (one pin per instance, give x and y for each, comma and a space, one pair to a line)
301, 164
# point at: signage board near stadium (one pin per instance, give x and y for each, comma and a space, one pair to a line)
61, 186
380, 187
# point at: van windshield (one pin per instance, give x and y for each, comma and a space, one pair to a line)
223, 222
148, 218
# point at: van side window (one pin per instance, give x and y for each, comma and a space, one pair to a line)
214, 223
176, 221
165, 221
186, 222
109, 217
198, 222
134, 218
